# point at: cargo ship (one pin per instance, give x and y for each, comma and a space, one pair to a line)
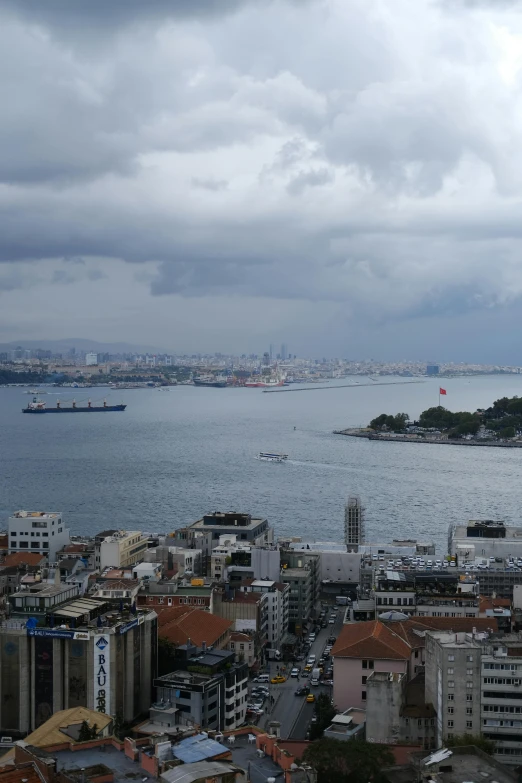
38, 406
264, 382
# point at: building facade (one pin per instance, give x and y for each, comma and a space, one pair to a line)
278, 609
120, 549
40, 532
45, 669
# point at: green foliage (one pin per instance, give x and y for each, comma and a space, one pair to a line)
26, 376
460, 740
86, 733
350, 761
507, 432
166, 656
394, 423
441, 419
120, 727
324, 712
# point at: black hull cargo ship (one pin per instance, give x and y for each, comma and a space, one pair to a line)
37, 406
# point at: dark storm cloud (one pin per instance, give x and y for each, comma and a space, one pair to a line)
320, 151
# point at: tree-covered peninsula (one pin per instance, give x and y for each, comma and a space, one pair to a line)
503, 420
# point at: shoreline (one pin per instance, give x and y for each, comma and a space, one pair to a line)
358, 433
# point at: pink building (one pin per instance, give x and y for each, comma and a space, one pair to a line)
387, 646
360, 649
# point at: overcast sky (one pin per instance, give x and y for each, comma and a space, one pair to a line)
341, 175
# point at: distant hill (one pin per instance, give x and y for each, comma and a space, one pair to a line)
59, 346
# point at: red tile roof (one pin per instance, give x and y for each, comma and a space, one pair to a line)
395, 640
196, 625
371, 639
23, 558
493, 603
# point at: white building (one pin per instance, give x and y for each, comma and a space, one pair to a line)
41, 532
484, 538
336, 564
91, 359
122, 548
278, 609
235, 560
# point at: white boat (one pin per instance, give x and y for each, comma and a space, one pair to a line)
269, 456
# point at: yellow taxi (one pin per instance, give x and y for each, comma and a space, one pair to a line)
307, 668
310, 698
277, 680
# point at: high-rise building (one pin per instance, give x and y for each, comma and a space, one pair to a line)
353, 523
432, 369
91, 359
284, 352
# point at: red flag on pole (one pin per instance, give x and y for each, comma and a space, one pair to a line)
442, 391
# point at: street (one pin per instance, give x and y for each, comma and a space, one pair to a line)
293, 712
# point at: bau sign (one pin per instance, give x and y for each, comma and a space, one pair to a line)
102, 669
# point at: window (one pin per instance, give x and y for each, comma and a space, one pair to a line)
24, 544
364, 680
363, 695
365, 664
450, 724
469, 697
451, 683
451, 696
45, 545
469, 672
451, 657
451, 670
469, 658
450, 735
370, 664
469, 685
469, 724
469, 710
450, 710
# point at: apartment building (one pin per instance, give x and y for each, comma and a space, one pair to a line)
501, 702
427, 595
453, 671
119, 548
233, 561
278, 609
484, 538
39, 532
208, 688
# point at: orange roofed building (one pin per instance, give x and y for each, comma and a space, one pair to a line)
391, 646
182, 625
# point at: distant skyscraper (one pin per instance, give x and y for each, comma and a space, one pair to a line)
271, 351
91, 359
284, 354
353, 523
432, 369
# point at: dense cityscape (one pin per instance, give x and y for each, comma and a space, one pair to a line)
220, 647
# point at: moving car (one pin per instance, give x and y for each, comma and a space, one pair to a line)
294, 672
303, 691
310, 698
278, 680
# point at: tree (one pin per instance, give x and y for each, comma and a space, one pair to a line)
395, 423
480, 742
87, 733
324, 712
507, 432
350, 761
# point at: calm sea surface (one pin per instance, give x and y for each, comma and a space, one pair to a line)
173, 456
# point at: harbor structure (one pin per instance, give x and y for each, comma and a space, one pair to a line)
39, 532
354, 523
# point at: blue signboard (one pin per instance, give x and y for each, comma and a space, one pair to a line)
55, 633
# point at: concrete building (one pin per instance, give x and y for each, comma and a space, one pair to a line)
243, 647
453, 666
205, 532
208, 689
120, 548
301, 604
347, 725
336, 565
91, 359
234, 561
396, 711
103, 661
354, 524
167, 592
248, 611
41, 532
484, 539
278, 609
501, 697
427, 595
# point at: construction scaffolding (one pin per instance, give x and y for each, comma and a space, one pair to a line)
354, 523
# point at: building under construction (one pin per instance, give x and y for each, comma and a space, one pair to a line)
353, 523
